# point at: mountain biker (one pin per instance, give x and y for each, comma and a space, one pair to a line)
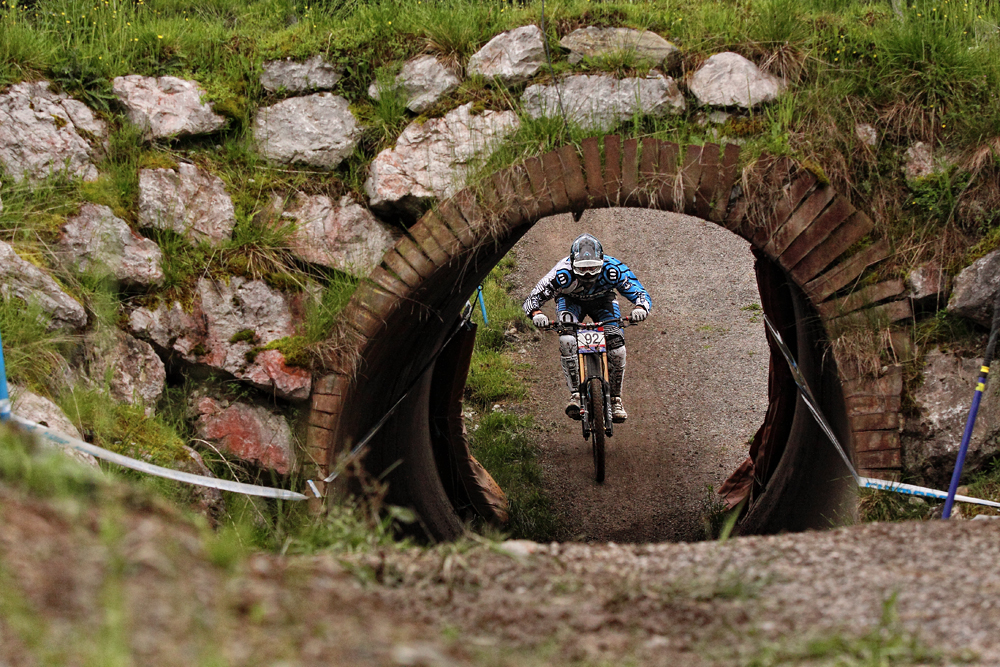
583, 284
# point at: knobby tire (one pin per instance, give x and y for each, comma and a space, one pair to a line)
596, 409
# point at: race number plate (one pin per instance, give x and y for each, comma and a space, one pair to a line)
590, 341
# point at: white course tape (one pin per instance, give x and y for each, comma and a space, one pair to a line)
914, 490
142, 466
863, 482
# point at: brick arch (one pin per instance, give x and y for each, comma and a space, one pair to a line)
401, 314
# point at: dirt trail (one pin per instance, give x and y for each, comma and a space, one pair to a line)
695, 385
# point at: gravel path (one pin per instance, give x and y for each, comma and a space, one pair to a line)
695, 385
917, 593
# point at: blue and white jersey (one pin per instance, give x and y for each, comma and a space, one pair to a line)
561, 282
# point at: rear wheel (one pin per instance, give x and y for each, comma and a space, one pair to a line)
595, 394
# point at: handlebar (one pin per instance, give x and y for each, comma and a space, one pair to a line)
557, 326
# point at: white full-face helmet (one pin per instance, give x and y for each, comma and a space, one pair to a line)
586, 257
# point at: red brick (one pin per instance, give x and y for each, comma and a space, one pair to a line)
421, 234
554, 177
902, 346
727, 177
319, 439
867, 405
468, 205
401, 268
362, 320
591, 148
331, 383
799, 220
452, 217
863, 297
666, 165
446, 238
576, 184
630, 173
883, 459
736, 218
802, 184
890, 384
375, 299
888, 474
613, 169
418, 260
849, 233
709, 178
526, 199
690, 176
328, 403
876, 421
540, 186
324, 420
647, 183
390, 282
875, 441
510, 206
893, 311
821, 228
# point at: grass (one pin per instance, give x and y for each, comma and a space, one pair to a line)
887, 643
500, 440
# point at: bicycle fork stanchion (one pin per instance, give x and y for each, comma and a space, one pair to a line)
4, 398
482, 305
974, 410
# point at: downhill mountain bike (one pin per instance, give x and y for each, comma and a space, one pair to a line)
595, 389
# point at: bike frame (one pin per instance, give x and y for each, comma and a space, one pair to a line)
592, 363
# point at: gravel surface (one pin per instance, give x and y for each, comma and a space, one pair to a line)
806, 598
695, 385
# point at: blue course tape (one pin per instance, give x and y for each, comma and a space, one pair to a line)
863, 482
4, 398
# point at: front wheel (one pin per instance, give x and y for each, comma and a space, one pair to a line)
595, 396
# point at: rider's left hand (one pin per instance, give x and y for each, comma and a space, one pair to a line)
638, 314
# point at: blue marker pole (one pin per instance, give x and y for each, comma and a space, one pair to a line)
482, 305
4, 398
976, 398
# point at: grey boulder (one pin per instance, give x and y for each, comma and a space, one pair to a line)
642, 46
186, 200
341, 235
296, 77
423, 81
40, 410
602, 101
224, 330
930, 440
166, 106
315, 130
510, 56
134, 372
975, 288
728, 80
43, 132
431, 159
97, 240
23, 280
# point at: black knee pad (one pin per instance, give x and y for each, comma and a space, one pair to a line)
614, 340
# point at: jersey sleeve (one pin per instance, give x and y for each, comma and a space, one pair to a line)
628, 284
548, 287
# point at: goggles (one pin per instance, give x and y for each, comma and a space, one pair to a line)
588, 270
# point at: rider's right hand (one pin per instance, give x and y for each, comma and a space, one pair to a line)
540, 320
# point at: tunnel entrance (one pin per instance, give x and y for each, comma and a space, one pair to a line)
402, 349
695, 383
